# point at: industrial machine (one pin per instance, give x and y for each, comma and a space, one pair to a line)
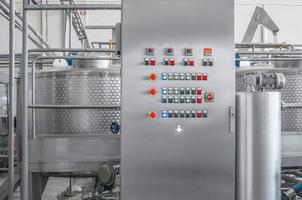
165, 115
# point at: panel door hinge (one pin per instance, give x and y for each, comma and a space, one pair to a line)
232, 119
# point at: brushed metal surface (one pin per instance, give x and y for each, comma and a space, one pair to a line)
77, 87
258, 146
156, 162
291, 93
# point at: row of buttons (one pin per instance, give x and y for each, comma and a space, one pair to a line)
186, 62
188, 76
184, 114
182, 91
190, 100
187, 51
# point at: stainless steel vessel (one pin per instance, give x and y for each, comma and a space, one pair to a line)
258, 146
93, 87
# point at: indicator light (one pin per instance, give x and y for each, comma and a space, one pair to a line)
152, 115
199, 77
153, 77
205, 114
169, 51
153, 92
204, 62
199, 114
166, 61
164, 114
199, 91
164, 76
207, 52
147, 61
164, 91
186, 62
205, 77
191, 62
188, 51
164, 100
199, 100
193, 114
172, 62
150, 51
152, 62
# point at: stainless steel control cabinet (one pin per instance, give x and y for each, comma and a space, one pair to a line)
177, 143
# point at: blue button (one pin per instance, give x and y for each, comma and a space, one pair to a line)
164, 91
164, 76
165, 114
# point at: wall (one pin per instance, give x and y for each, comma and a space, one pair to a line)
286, 13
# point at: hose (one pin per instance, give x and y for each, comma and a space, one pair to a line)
292, 193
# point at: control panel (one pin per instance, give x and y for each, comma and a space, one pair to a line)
182, 70
178, 99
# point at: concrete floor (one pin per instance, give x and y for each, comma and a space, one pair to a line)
54, 188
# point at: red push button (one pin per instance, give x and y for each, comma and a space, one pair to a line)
205, 77
199, 77
153, 62
199, 114
199, 100
172, 62
199, 91
153, 92
191, 62
152, 115
153, 77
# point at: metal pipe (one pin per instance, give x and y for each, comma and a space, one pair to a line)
74, 7
70, 28
24, 110
77, 58
291, 105
270, 59
269, 53
261, 45
72, 50
74, 107
11, 120
99, 27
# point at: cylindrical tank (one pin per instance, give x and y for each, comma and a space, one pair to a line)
93, 87
258, 146
291, 93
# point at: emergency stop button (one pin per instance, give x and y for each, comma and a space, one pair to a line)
152, 115
153, 92
153, 77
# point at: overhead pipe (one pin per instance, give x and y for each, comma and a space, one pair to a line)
74, 7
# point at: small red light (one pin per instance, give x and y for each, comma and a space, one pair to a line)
172, 62
205, 77
199, 100
199, 115
153, 62
199, 91
199, 77
152, 115
207, 52
153, 92
191, 62
153, 77
150, 50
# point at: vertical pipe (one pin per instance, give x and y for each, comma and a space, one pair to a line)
258, 146
70, 27
33, 97
24, 118
11, 120
64, 31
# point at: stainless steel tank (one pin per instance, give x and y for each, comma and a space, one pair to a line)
258, 146
77, 87
291, 93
